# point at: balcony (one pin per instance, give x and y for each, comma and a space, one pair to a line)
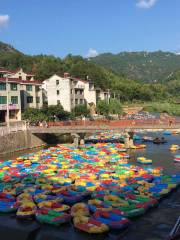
11, 106
79, 86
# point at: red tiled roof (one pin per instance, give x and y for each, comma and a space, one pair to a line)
15, 71
3, 70
17, 80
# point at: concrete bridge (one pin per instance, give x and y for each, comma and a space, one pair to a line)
93, 129
21, 137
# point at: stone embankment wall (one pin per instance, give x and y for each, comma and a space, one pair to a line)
18, 141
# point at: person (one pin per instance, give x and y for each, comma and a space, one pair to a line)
46, 124
170, 122
84, 119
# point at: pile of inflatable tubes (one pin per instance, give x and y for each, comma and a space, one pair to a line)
63, 184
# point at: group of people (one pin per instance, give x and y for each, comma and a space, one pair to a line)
43, 124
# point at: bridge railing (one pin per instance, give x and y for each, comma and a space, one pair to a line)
114, 123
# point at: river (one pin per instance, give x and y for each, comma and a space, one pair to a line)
154, 225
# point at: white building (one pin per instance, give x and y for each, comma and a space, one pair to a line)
57, 91
70, 92
20, 91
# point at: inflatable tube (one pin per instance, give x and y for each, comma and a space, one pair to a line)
89, 225
52, 217
95, 204
79, 209
143, 160
26, 211
113, 219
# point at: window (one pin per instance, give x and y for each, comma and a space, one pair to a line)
37, 99
58, 102
13, 87
29, 99
29, 88
91, 86
3, 99
81, 101
57, 92
81, 92
76, 91
57, 82
14, 99
37, 88
76, 101
2, 86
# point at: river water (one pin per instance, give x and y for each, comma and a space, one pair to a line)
160, 154
154, 225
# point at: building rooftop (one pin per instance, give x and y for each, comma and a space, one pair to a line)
4, 70
17, 80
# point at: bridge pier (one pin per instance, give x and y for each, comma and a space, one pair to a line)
76, 138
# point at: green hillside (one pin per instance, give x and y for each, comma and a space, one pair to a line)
143, 66
132, 82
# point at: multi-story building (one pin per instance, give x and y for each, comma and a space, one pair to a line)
20, 91
70, 92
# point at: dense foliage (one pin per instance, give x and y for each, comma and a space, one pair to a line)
112, 107
115, 107
51, 113
154, 76
81, 110
145, 66
103, 107
170, 108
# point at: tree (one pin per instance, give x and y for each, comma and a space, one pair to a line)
55, 111
47, 113
81, 110
103, 107
34, 115
115, 106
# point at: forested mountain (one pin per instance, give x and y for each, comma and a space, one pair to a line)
143, 66
131, 79
44, 66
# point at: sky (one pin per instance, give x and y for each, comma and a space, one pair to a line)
90, 27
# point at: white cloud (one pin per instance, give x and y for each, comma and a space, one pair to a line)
4, 19
146, 4
92, 53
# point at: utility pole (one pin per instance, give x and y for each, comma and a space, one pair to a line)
7, 102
